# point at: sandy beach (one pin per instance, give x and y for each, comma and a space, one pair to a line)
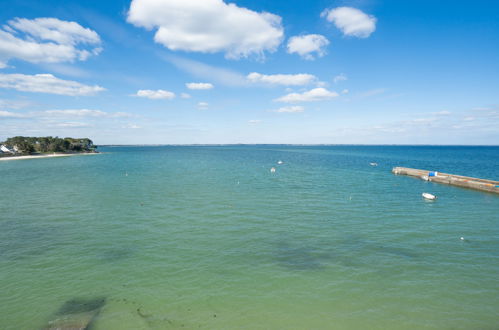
46, 156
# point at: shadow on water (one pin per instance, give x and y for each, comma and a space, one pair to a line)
19, 240
297, 258
348, 252
77, 313
81, 305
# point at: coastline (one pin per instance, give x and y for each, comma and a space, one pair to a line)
47, 156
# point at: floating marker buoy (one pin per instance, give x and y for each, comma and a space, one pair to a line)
462, 238
429, 196
272, 170
280, 162
373, 164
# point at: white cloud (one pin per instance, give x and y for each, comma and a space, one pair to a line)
469, 118
71, 113
9, 114
340, 77
345, 91
72, 125
208, 26
282, 79
291, 109
185, 96
351, 21
202, 105
316, 94
442, 113
199, 85
155, 95
308, 44
46, 83
81, 113
255, 121
46, 40
132, 126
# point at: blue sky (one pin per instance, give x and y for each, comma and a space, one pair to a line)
192, 71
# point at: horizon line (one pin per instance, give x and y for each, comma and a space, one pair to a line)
292, 144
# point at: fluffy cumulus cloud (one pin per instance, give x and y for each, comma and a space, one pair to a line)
46, 40
199, 85
316, 94
208, 26
291, 109
308, 45
155, 95
281, 79
46, 83
351, 21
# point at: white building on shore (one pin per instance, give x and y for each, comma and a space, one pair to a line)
5, 150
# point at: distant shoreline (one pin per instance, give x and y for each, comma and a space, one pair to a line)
47, 155
294, 145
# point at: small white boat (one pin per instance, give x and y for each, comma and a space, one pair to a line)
373, 164
425, 178
429, 196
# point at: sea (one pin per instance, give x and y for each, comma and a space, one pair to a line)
208, 237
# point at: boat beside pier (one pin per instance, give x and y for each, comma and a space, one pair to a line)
450, 179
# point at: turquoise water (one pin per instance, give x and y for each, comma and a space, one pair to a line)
207, 237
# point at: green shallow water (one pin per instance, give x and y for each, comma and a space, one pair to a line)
207, 237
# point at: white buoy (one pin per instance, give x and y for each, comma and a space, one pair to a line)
373, 164
462, 238
272, 170
280, 162
429, 196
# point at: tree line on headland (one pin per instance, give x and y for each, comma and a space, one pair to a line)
29, 145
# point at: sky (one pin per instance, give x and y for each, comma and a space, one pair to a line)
251, 71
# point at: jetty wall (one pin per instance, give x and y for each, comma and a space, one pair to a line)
450, 179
